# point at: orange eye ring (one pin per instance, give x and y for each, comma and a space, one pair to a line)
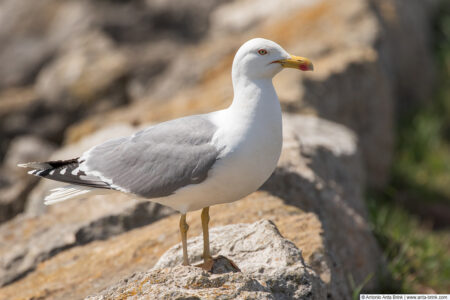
262, 51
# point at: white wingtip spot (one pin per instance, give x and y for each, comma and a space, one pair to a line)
75, 171
34, 172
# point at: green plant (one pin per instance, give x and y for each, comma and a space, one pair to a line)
418, 258
418, 251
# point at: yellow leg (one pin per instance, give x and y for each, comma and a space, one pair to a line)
183, 230
205, 220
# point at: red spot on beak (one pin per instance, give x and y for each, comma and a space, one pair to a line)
303, 67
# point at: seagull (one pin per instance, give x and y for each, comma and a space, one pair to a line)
193, 162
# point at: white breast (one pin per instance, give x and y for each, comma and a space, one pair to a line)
250, 136
249, 160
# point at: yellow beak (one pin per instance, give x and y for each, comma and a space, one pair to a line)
296, 62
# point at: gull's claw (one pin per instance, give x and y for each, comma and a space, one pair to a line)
219, 265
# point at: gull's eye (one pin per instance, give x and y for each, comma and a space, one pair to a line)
262, 51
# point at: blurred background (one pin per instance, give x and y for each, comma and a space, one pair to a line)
74, 73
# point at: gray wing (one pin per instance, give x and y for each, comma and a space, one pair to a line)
157, 161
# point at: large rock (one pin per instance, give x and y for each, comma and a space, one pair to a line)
314, 198
43, 231
357, 81
30, 127
272, 268
87, 269
23, 112
406, 35
86, 71
28, 240
31, 32
321, 171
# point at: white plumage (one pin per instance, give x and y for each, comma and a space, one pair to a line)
67, 192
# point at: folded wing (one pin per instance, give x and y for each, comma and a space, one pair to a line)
157, 161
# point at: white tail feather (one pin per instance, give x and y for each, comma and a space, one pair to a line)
68, 192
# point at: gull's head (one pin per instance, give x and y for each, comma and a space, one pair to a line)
260, 58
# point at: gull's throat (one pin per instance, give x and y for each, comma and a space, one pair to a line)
254, 95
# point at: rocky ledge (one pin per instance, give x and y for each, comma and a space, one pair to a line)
79, 248
271, 268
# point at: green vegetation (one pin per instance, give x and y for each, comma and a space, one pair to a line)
423, 152
410, 217
418, 257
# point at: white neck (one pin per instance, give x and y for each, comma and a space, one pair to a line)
254, 97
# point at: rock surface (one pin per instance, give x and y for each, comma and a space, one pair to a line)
36, 236
87, 70
398, 19
354, 82
65, 61
314, 198
14, 184
27, 241
32, 32
76, 59
272, 268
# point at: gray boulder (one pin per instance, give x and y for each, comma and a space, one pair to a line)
31, 33
272, 268
85, 72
